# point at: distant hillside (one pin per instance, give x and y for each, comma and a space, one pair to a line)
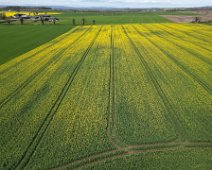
24, 8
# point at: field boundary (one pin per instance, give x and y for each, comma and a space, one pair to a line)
41, 50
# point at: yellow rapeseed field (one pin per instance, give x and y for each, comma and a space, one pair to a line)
12, 13
101, 92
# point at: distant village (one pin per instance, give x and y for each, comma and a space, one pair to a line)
23, 15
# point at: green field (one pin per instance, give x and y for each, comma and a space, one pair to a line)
98, 97
17, 39
115, 17
112, 17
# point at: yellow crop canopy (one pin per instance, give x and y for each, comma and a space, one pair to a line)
11, 13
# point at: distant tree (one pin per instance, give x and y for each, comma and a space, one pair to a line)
22, 21
35, 13
83, 21
42, 20
8, 21
197, 19
74, 21
3, 16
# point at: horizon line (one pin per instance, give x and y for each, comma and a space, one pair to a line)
197, 6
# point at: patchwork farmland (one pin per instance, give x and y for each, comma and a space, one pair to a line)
100, 96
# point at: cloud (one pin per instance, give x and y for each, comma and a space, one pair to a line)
110, 3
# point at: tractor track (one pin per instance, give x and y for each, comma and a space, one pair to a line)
129, 151
41, 50
111, 96
161, 93
54, 60
181, 66
44, 126
84, 160
196, 54
134, 152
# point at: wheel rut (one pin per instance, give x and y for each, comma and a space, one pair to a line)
130, 151
111, 97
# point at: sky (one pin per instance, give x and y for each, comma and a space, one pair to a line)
110, 3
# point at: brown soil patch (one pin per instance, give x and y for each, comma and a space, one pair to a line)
180, 19
205, 16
